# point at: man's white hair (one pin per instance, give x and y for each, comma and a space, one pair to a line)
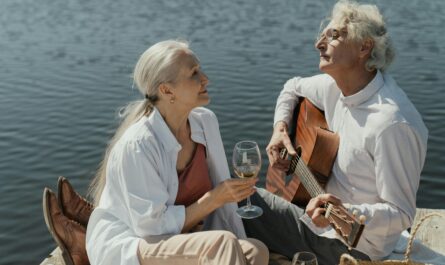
364, 21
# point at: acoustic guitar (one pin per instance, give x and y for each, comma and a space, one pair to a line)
309, 170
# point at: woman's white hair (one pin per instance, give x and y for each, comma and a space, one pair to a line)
364, 21
157, 65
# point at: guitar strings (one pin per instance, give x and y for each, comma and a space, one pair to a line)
297, 165
314, 188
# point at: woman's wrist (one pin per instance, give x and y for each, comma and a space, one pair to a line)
209, 200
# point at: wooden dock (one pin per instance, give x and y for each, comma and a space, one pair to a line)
431, 233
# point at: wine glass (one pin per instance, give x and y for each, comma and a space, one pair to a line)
304, 258
246, 161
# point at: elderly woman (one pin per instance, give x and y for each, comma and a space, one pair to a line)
163, 194
382, 144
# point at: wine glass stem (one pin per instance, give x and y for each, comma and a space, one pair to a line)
248, 204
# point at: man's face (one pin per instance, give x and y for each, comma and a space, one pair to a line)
337, 53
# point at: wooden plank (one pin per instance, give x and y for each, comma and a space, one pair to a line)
431, 233
55, 258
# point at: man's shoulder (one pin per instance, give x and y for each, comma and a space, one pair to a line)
392, 106
315, 79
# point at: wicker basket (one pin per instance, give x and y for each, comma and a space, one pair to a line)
347, 259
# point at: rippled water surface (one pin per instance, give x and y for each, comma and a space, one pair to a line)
65, 70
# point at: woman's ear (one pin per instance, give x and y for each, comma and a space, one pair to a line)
165, 90
366, 48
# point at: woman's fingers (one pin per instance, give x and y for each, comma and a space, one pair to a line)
244, 193
241, 182
234, 190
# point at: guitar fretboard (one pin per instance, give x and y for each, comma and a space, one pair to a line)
308, 180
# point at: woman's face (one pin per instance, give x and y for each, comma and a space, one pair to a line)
190, 87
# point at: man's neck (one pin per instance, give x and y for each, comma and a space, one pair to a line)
353, 81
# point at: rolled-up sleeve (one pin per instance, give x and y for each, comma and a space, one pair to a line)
142, 193
314, 88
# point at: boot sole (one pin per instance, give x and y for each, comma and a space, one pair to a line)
49, 224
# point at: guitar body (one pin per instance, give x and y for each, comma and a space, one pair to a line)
319, 149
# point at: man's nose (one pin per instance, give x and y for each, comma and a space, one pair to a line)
320, 44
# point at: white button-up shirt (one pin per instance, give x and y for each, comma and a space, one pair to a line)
382, 150
142, 184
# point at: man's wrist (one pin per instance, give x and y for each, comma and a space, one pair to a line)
280, 126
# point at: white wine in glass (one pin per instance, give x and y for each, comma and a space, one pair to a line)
246, 161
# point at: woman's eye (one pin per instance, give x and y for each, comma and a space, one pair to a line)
335, 34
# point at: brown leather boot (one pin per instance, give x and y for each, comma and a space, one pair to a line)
73, 205
69, 235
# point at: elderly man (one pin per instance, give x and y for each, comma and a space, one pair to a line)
382, 144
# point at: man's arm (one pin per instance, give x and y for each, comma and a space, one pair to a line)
312, 88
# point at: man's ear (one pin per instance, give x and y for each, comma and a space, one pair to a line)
366, 48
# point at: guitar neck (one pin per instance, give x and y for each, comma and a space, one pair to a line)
308, 180
343, 222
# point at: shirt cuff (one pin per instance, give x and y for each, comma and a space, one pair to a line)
174, 219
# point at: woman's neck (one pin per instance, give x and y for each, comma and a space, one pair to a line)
177, 122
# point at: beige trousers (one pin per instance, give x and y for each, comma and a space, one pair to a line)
202, 248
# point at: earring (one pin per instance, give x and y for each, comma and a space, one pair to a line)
172, 100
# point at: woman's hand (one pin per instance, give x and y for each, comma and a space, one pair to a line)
315, 209
230, 190
279, 140
233, 190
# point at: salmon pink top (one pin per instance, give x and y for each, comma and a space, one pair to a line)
194, 180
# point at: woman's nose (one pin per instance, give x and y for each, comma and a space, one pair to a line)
204, 78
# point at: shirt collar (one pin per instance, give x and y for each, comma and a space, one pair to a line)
364, 94
165, 135
197, 133
162, 132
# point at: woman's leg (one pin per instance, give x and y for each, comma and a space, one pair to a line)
203, 248
255, 251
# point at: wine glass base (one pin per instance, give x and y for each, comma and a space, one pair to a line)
249, 212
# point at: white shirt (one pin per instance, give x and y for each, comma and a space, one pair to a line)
142, 184
382, 150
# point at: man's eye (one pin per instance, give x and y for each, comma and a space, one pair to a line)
335, 34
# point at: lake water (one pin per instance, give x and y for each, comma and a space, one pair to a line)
65, 70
